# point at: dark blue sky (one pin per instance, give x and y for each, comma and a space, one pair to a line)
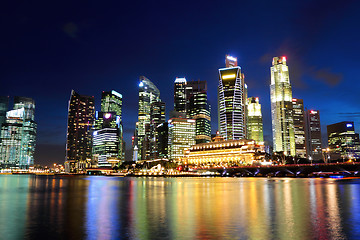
48, 48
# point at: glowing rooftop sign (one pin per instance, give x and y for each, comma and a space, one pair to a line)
107, 115
141, 84
349, 125
231, 58
180, 80
228, 76
116, 94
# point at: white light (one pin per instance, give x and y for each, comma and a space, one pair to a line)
141, 84
180, 80
231, 58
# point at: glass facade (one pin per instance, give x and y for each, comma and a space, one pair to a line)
148, 94
81, 118
157, 118
18, 135
282, 108
180, 97
299, 127
181, 136
231, 101
254, 120
313, 135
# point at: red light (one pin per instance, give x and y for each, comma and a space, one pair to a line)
284, 58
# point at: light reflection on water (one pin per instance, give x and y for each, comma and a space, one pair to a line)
35, 207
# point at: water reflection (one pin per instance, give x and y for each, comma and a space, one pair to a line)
178, 208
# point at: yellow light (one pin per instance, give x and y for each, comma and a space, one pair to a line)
228, 76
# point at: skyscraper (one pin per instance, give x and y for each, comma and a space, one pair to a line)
148, 94
180, 97
299, 127
231, 101
343, 141
18, 135
281, 108
157, 118
79, 131
4, 105
198, 108
313, 135
181, 136
254, 120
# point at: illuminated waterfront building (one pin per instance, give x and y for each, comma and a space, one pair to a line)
254, 120
231, 101
18, 135
107, 141
157, 118
199, 109
79, 137
313, 135
282, 108
343, 141
181, 136
299, 127
148, 94
225, 153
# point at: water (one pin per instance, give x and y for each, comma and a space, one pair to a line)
47, 207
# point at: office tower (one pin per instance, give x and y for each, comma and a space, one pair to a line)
162, 141
181, 136
231, 101
18, 135
313, 135
157, 117
180, 95
343, 141
4, 106
299, 127
107, 140
198, 108
254, 120
79, 132
281, 108
148, 94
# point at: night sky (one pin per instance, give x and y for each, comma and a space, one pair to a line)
48, 48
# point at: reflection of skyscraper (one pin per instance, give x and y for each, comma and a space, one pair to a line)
181, 136
299, 127
18, 134
254, 120
148, 93
231, 101
281, 108
313, 134
79, 137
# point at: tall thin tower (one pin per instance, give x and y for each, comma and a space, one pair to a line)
231, 101
282, 108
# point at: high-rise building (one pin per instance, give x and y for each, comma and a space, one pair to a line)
162, 141
254, 120
313, 135
107, 140
231, 101
198, 108
343, 141
4, 106
282, 108
180, 97
299, 127
18, 135
79, 132
157, 117
148, 94
181, 136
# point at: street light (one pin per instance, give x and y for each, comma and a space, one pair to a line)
310, 158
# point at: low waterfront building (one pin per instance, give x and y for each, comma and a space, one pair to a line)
222, 152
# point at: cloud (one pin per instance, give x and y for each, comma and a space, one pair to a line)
71, 29
328, 77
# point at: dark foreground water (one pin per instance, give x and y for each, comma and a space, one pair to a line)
41, 207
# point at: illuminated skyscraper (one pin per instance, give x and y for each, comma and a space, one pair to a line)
254, 120
343, 141
299, 127
181, 136
157, 118
180, 95
281, 108
108, 130
231, 101
79, 137
313, 135
198, 108
148, 94
18, 135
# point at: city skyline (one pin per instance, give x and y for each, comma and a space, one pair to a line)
69, 53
